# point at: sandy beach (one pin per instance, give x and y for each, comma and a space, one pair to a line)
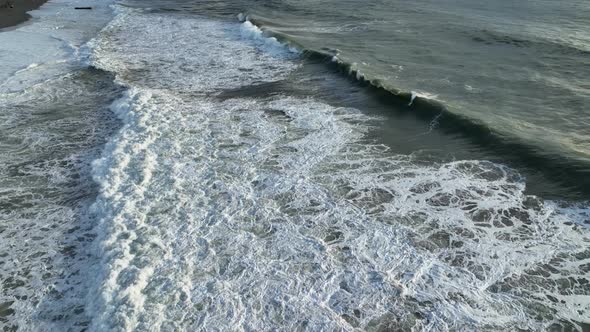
13, 12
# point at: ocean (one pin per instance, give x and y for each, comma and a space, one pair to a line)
296, 166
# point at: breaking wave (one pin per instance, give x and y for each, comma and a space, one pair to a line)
563, 163
250, 213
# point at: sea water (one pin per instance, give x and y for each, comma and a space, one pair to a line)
181, 169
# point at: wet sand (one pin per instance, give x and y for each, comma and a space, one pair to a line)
13, 12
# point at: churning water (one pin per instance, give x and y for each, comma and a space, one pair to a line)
168, 170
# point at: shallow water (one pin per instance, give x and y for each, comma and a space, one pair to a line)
54, 121
247, 186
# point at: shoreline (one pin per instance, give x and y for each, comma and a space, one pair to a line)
14, 12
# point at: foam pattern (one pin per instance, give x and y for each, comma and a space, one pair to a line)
54, 120
187, 54
54, 38
256, 213
49, 134
279, 212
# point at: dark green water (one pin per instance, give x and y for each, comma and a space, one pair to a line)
506, 81
520, 68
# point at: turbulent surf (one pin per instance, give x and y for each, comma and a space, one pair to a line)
184, 170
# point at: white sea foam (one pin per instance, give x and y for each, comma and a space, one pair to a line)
52, 41
51, 125
249, 214
264, 213
425, 95
270, 44
202, 55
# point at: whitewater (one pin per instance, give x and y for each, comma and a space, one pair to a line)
208, 207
